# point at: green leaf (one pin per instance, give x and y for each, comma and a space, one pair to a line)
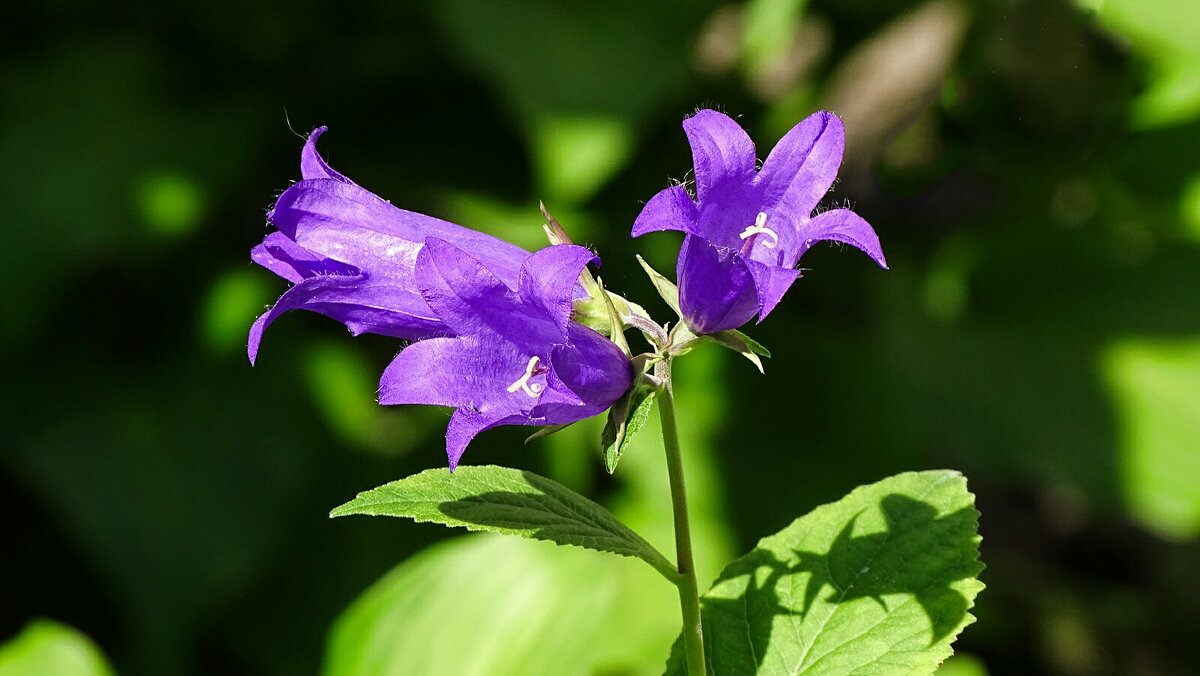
46, 647
504, 500
665, 287
742, 344
625, 419
877, 582
1156, 387
487, 605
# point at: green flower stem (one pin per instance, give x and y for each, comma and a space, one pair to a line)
689, 594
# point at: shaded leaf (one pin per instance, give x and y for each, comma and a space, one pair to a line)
625, 419
877, 582
504, 500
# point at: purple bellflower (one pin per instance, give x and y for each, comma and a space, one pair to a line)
511, 355
350, 255
746, 229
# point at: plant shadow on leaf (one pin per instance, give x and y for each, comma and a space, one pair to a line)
553, 513
911, 570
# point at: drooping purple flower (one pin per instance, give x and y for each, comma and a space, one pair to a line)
351, 254
514, 358
746, 229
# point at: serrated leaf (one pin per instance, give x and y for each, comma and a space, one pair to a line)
877, 582
625, 418
504, 500
665, 287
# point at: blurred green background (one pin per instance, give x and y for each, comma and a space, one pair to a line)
1032, 168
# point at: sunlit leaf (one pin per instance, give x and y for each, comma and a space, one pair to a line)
505, 500
493, 606
877, 582
46, 647
1157, 392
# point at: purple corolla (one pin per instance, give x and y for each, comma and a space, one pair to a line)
511, 355
746, 229
350, 255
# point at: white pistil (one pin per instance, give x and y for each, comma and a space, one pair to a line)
760, 228
523, 384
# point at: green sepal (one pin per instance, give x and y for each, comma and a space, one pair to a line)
665, 287
742, 344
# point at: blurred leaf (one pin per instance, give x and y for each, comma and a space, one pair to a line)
528, 609
171, 204
233, 301
576, 155
897, 562
504, 500
962, 665
520, 224
1167, 33
618, 59
344, 385
1190, 205
1157, 391
768, 28
46, 648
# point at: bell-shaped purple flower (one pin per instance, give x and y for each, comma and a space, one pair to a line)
512, 356
747, 228
350, 255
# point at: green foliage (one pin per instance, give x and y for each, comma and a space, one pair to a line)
46, 647
504, 500
877, 582
497, 606
742, 344
1157, 391
625, 419
665, 287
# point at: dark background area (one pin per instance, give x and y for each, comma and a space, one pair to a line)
1032, 168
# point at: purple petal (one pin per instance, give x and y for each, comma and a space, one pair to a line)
802, 167
721, 151
463, 427
593, 369
670, 209
471, 300
716, 290
549, 277
293, 262
312, 165
451, 372
841, 225
770, 283
362, 306
344, 222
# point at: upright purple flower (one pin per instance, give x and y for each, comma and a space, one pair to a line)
746, 229
515, 358
350, 255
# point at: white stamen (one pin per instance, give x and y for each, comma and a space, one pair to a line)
760, 228
523, 384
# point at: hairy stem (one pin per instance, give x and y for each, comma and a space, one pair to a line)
689, 594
